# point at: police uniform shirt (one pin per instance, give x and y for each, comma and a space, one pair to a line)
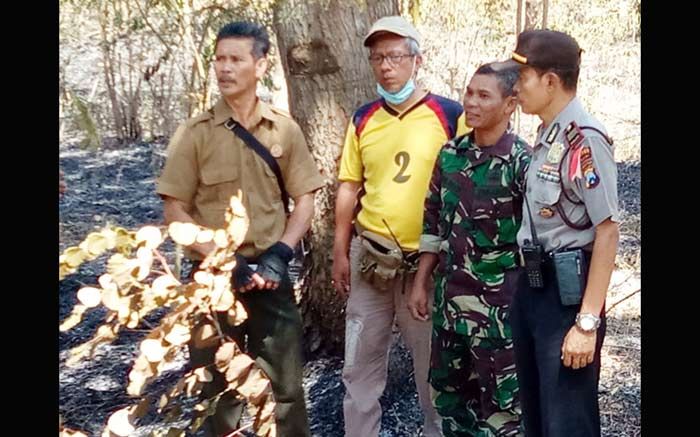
590, 197
207, 164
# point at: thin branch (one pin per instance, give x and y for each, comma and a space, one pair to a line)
164, 263
622, 346
155, 32
623, 281
214, 7
238, 431
623, 299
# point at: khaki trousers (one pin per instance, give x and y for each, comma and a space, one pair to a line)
369, 319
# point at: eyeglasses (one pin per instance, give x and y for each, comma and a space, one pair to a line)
392, 59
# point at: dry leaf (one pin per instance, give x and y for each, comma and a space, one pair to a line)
75, 317
163, 284
74, 256
205, 236
120, 424
153, 350
96, 243
225, 353
183, 233
204, 278
90, 296
150, 235
238, 367
178, 335
221, 238
224, 302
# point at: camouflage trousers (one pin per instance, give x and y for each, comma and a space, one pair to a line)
472, 376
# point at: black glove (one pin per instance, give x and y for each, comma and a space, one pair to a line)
243, 273
273, 263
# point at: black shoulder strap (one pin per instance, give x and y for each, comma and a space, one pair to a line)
573, 134
607, 138
262, 151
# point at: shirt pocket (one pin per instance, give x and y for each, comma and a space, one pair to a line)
271, 180
546, 192
493, 212
492, 201
219, 183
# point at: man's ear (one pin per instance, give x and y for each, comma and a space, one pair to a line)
511, 104
551, 80
260, 67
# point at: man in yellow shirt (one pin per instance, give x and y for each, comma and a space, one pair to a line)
390, 149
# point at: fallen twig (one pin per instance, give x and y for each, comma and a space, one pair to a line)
623, 299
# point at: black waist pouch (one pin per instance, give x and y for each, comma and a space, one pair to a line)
571, 269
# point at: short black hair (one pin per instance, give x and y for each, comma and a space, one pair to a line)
569, 78
550, 50
507, 77
247, 29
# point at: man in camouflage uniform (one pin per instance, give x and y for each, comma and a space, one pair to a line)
472, 214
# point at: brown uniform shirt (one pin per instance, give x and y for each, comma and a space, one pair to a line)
207, 164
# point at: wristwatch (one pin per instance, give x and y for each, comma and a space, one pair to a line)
587, 322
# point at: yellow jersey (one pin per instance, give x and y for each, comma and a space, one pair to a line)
393, 156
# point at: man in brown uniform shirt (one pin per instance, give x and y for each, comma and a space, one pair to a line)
206, 165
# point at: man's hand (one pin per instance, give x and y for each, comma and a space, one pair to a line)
345, 201
273, 264
244, 278
578, 348
341, 274
418, 301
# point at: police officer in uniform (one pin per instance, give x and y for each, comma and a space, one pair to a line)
207, 164
568, 240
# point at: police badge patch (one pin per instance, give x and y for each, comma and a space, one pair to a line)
276, 151
555, 153
590, 176
546, 212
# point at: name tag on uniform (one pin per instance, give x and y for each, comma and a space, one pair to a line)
491, 191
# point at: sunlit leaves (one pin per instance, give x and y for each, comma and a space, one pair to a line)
183, 233
136, 282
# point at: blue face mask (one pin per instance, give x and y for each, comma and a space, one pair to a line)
401, 95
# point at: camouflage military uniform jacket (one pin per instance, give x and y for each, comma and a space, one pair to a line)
473, 210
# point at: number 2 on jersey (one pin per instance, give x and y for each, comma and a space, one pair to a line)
402, 159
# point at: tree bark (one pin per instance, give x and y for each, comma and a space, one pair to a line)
328, 77
108, 69
545, 12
